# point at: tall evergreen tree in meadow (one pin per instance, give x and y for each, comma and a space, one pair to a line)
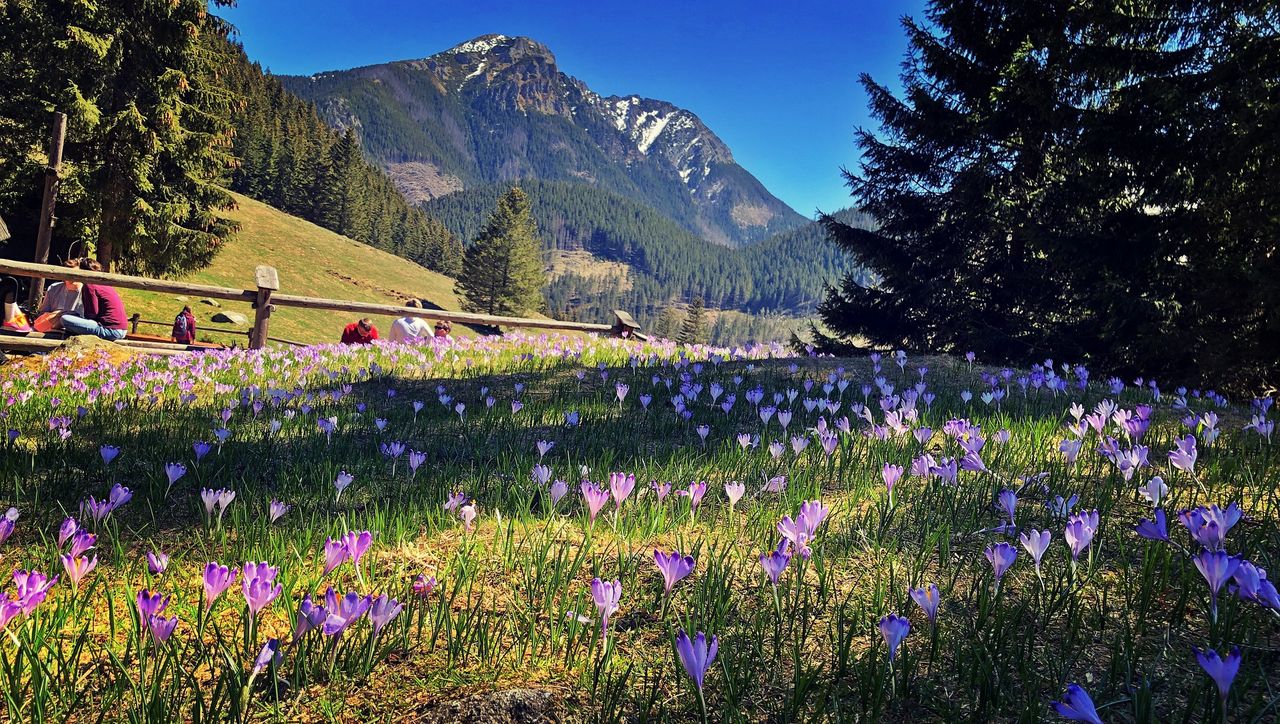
694, 328
1054, 180
503, 271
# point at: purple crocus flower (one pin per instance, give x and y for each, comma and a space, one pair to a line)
673, 567
734, 492
894, 629
558, 490
173, 472
1079, 532
310, 616
1183, 456
96, 509
356, 545
33, 587
162, 628
1036, 542
595, 498
1222, 670
607, 596
343, 611
108, 453
1008, 503
259, 586
382, 610
696, 655
694, 492
118, 496
1217, 567
200, 448
423, 585
150, 605
1209, 525
157, 563
81, 542
544, 447
620, 486
891, 474
928, 597
7, 523
77, 567
775, 562
456, 499
1252, 585
1001, 555
335, 553
1077, 706
68, 529
217, 579
341, 483
1154, 491
1155, 529
277, 510
416, 459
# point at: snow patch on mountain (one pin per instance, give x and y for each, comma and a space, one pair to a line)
480, 45
648, 127
479, 69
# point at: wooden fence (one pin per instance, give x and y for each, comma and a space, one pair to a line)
265, 299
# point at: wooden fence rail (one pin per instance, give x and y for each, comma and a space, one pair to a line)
266, 298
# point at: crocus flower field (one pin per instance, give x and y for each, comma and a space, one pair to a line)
634, 531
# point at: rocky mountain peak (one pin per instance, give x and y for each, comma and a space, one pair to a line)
497, 108
497, 50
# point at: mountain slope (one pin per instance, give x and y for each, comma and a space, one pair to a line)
312, 261
497, 109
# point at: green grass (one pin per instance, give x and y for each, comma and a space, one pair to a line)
512, 608
311, 261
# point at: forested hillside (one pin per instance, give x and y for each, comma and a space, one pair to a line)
663, 263
290, 159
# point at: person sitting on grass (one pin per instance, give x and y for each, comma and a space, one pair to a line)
103, 315
184, 326
412, 327
444, 331
361, 332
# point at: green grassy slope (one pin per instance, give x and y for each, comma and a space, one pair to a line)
312, 261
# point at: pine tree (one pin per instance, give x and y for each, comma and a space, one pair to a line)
667, 324
693, 331
148, 132
1079, 181
503, 271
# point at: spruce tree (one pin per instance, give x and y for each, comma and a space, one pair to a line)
1077, 181
694, 331
148, 133
503, 272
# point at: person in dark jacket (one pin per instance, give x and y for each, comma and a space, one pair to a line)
184, 326
103, 314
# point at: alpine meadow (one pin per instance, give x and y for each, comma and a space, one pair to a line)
381, 364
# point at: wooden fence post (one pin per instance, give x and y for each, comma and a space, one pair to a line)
268, 281
52, 178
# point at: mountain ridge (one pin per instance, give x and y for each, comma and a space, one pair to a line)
498, 108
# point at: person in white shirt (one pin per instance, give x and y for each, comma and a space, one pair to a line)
412, 327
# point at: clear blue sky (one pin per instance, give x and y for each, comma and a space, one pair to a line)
776, 80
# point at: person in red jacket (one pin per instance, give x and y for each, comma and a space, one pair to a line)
184, 326
361, 332
103, 314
